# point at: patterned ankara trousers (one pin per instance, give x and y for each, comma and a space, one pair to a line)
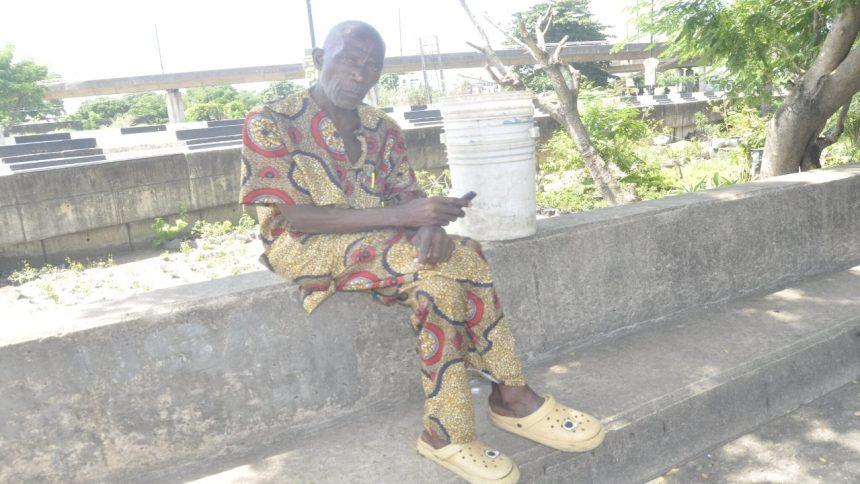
460, 325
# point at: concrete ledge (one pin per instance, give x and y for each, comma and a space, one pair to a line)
146, 381
665, 393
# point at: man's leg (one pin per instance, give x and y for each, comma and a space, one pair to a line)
439, 309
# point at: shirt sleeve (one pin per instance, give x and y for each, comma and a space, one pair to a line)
269, 172
400, 184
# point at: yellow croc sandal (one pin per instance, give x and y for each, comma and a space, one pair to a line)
555, 425
474, 462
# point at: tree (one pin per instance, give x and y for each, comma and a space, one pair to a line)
147, 108
22, 96
572, 18
565, 80
277, 90
805, 48
101, 112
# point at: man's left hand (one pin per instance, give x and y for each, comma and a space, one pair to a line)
433, 245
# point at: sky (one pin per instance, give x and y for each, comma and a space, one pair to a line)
94, 39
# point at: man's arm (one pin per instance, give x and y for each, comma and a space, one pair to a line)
435, 211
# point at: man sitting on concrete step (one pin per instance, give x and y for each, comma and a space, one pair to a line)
340, 210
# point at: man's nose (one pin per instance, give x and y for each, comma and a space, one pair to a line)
358, 75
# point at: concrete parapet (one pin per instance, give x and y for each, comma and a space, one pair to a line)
56, 208
188, 372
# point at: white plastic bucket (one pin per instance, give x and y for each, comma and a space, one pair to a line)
491, 151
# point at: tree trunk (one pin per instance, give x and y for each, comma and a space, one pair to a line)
792, 141
566, 113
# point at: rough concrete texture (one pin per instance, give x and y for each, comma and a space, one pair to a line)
665, 393
817, 443
180, 373
62, 208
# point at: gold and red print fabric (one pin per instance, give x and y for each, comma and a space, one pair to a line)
293, 154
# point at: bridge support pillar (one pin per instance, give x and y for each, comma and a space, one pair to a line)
175, 108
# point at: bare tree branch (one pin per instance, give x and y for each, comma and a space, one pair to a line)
507, 34
555, 58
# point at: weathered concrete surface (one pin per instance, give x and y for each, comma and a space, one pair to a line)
819, 442
59, 209
665, 392
180, 373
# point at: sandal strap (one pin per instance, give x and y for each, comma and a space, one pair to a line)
548, 406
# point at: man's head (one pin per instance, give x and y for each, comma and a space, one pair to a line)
350, 62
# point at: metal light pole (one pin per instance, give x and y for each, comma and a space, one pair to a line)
311, 25
158, 46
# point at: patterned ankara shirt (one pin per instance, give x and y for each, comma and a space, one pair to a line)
293, 154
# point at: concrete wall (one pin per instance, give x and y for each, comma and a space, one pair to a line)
173, 374
110, 206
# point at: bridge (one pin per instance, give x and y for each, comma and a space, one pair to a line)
571, 52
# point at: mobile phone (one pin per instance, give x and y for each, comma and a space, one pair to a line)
469, 196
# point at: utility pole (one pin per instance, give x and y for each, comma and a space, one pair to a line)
311, 25
158, 46
400, 28
441, 68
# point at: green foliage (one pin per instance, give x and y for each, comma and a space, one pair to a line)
246, 222
615, 132
22, 96
747, 124
619, 134
132, 109
668, 79
99, 112
764, 44
651, 181
211, 230
434, 184
226, 102
576, 198
389, 81
165, 232
574, 19
147, 108
277, 90
74, 265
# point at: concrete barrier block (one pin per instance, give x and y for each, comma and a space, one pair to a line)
213, 191
231, 212
82, 244
150, 201
224, 161
12, 255
7, 191
50, 218
61, 184
12, 232
141, 172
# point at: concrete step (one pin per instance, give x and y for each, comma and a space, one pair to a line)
818, 442
666, 392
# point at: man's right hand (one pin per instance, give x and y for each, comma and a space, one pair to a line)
438, 211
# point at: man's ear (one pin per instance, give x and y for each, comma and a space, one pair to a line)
318, 55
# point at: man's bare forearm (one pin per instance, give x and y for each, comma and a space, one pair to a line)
326, 220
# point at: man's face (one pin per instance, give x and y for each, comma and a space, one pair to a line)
349, 68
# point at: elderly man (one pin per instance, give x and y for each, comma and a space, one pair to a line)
340, 210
